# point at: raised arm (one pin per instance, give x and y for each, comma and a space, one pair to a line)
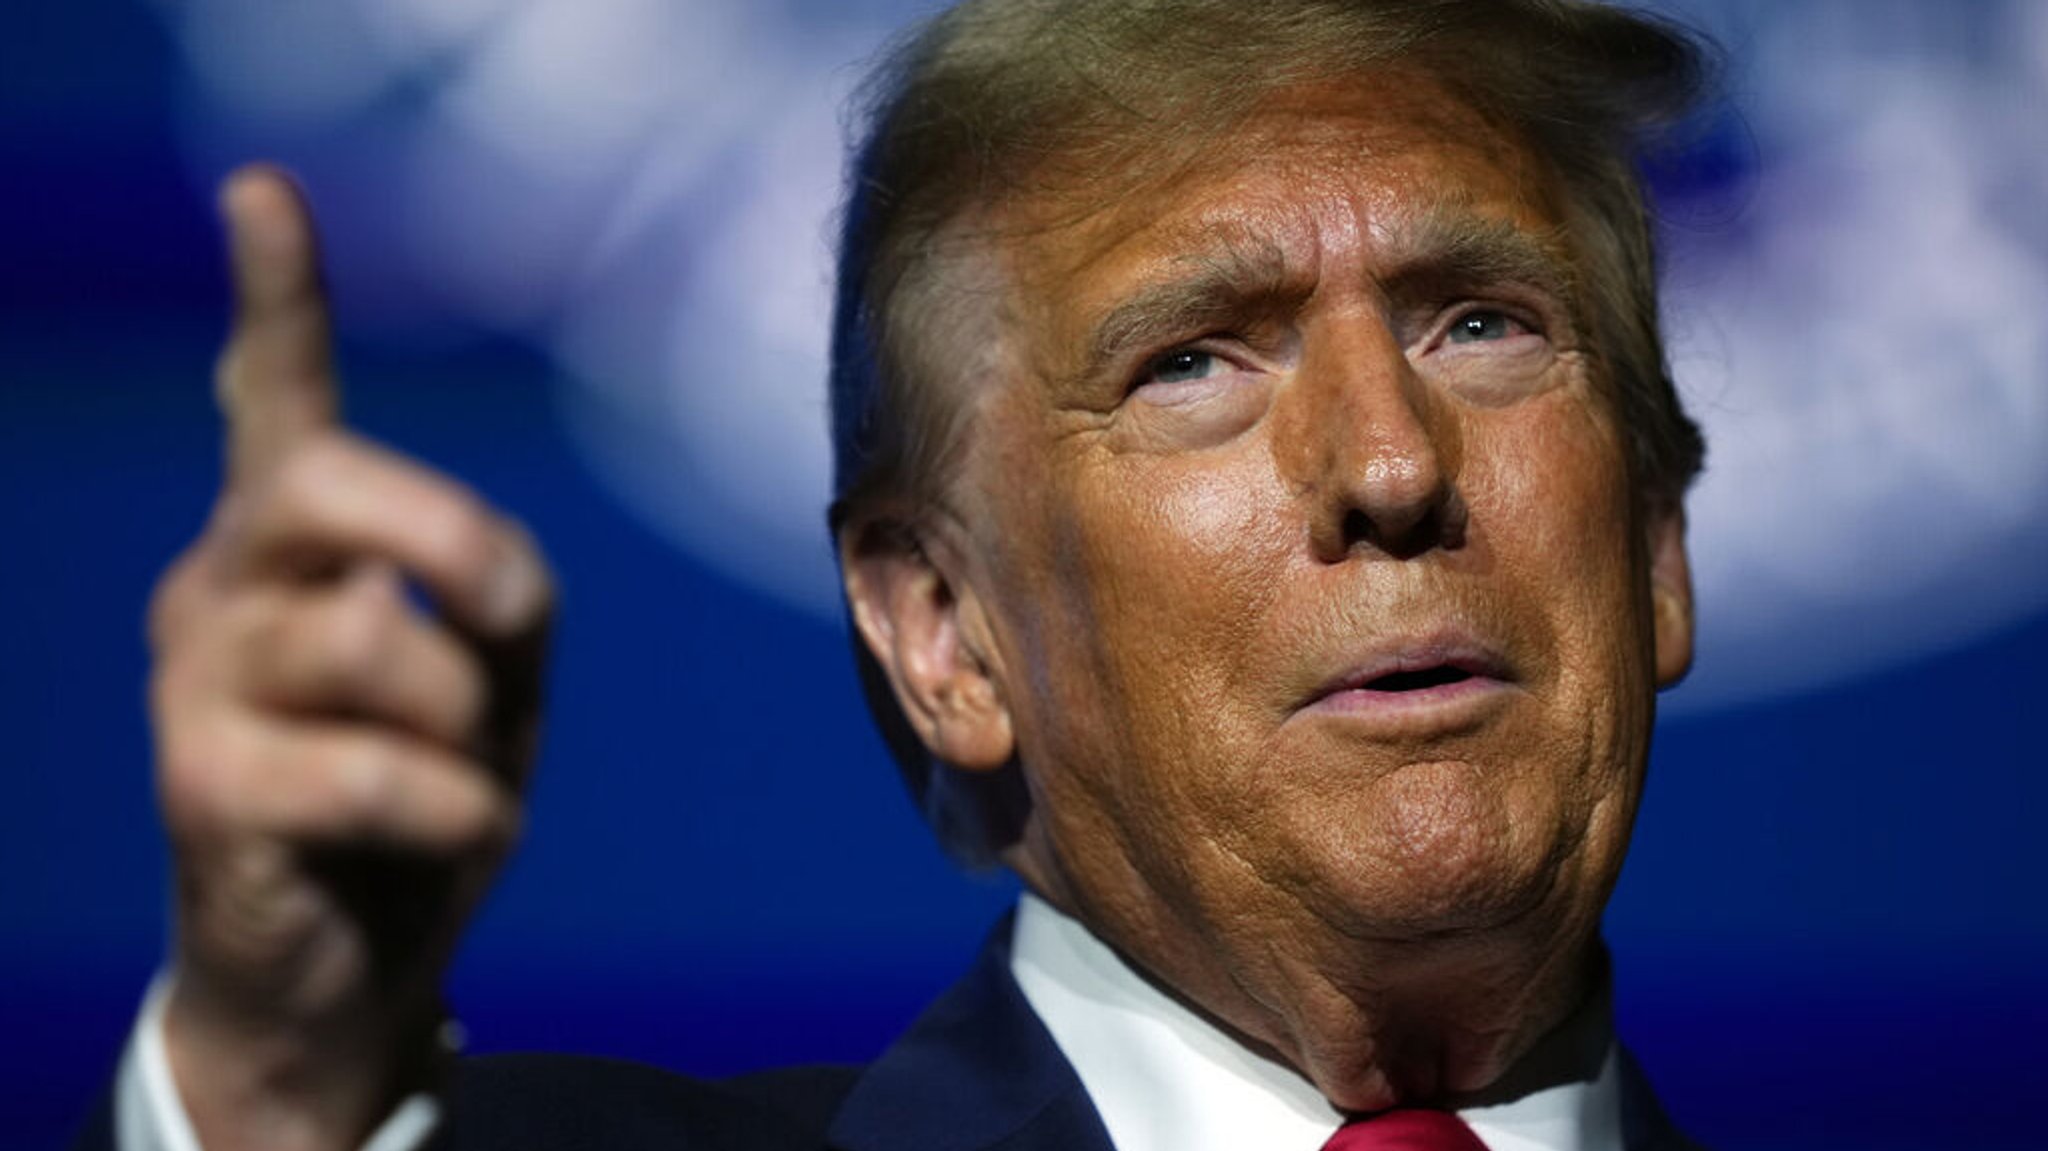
339, 771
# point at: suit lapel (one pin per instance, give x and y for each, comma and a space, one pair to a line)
976, 1072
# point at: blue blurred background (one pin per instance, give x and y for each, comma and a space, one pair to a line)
578, 247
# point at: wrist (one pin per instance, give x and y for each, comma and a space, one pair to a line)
297, 1085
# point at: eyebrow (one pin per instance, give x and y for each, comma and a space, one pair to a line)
1214, 287
1445, 245
1454, 246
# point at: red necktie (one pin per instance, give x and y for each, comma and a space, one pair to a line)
1406, 1130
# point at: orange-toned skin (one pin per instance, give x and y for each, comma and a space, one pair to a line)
1141, 582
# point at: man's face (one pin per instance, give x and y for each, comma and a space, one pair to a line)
1298, 532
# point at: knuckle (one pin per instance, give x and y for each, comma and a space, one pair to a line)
365, 781
309, 470
521, 542
185, 697
258, 643
170, 690
310, 486
463, 534
361, 781
197, 769
489, 826
175, 598
353, 640
524, 548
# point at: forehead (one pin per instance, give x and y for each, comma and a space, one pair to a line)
1341, 174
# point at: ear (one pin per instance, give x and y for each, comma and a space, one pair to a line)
1670, 595
925, 627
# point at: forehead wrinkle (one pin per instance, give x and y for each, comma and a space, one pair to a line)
1451, 238
1227, 271
1317, 192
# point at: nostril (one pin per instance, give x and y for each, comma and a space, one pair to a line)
1356, 526
1404, 533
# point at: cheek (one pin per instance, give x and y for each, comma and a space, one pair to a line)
1157, 571
1552, 492
1556, 503
1176, 560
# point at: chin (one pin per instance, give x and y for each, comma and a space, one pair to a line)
1432, 849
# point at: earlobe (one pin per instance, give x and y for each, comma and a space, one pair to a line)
924, 627
1671, 597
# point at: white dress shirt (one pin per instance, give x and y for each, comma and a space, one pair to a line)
1165, 1079
1162, 1077
150, 1116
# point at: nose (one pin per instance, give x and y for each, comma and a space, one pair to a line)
1378, 449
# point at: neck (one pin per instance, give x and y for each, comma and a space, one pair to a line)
1166, 1078
1444, 1022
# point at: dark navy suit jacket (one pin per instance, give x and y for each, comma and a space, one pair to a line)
976, 1072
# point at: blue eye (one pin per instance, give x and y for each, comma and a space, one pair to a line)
1181, 366
1475, 326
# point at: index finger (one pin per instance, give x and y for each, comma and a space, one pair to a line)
275, 381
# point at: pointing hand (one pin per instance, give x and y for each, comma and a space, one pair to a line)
339, 770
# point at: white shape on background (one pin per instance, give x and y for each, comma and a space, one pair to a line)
1866, 351
726, 444
300, 64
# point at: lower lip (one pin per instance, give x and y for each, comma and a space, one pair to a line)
1447, 702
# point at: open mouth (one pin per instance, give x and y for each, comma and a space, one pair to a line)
1420, 679
1453, 671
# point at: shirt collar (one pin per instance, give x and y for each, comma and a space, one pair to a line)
1165, 1079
